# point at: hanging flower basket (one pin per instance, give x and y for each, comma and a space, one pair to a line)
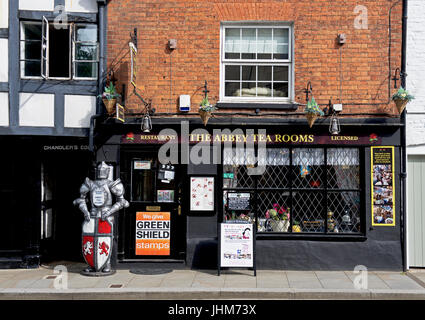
312, 111
400, 104
205, 110
311, 118
401, 98
205, 116
110, 105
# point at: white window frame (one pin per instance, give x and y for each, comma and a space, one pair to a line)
257, 62
71, 52
74, 42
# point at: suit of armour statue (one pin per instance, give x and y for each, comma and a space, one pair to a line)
98, 223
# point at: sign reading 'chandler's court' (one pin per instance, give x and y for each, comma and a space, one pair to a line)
272, 139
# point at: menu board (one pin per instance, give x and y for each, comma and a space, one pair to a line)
383, 204
202, 194
237, 245
238, 201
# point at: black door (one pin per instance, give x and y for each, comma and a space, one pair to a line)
151, 188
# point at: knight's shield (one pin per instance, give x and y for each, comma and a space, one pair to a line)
97, 242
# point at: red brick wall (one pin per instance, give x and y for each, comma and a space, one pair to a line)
196, 26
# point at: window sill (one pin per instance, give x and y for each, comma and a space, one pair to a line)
312, 237
258, 105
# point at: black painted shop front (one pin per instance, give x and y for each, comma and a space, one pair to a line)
312, 205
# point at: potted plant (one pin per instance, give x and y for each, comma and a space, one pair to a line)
109, 98
401, 98
279, 218
296, 226
312, 111
205, 110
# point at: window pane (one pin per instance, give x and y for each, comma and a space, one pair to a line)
277, 174
308, 167
248, 44
343, 168
86, 69
32, 32
280, 73
273, 211
307, 211
280, 90
85, 52
281, 35
232, 43
345, 212
233, 73
32, 68
232, 89
280, 51
59, 59
264, 89
32, 50
249, 89
86, 33
264, 73
249, 73
264, 43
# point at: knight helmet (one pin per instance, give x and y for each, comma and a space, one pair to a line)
102, 170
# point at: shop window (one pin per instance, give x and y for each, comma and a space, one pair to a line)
308, 190
256, 63
65, 51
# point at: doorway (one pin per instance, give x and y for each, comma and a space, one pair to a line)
154, 226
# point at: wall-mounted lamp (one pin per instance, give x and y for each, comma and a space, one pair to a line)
334, 126
147, 121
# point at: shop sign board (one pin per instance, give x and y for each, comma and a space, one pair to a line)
202, 194
142, 165
382, 180
153, 233
237, 245
275, 139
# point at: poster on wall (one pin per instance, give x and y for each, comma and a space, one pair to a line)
383, 202
202, 194
237, 245
153, 233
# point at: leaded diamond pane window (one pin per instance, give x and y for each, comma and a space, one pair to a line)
307, 190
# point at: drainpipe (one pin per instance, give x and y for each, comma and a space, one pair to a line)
101, 73
403, 159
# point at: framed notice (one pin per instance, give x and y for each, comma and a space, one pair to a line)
382, 189
237, 245
153, 233
238, 201
201, 194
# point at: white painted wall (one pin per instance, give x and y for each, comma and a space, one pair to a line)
39, 5
4, 60
78, 110
4, 109
415, 79
36, 109
4, 13
89, 6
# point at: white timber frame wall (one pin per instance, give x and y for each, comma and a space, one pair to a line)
37, 106
415, 138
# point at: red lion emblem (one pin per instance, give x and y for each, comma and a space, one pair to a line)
104, 248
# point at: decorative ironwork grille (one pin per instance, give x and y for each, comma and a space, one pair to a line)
307, 190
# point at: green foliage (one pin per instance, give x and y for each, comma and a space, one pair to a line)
110, 92
403, 94
313, 107
206, 106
